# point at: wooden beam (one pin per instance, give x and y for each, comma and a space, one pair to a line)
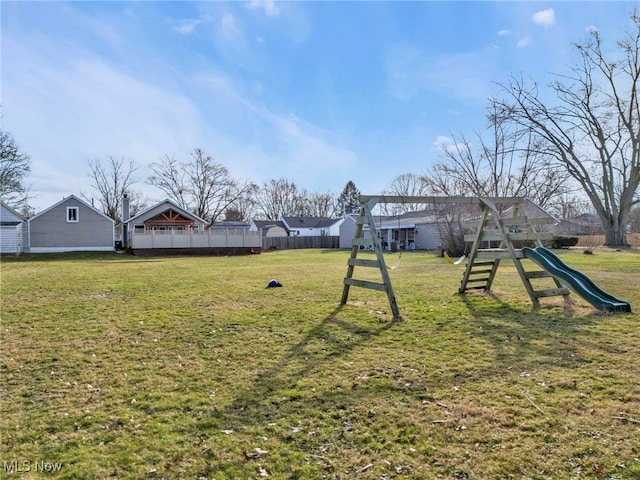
489, 236
512, 221
494, 253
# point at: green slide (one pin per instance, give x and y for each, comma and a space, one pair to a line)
577, 281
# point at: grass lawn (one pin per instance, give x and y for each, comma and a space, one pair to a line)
116, 366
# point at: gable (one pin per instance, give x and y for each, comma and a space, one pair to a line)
72, 201
169, 218
174, 215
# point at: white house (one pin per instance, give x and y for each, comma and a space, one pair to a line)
312, 226
10, 230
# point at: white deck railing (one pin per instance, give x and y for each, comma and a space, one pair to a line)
191, 239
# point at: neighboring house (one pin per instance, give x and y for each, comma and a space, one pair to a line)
229, 225
167, 228
69, 225
163, 216
585, 224
312, 226
409, 231
269, 228
10, 230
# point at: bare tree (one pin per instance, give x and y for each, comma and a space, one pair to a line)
170, 176
243, 207
570, 206
280, 198
407, 184
320, 204
201, 185
15, 164
110, 181
507, 164
593, 128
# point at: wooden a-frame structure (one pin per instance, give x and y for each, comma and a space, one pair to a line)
483, 260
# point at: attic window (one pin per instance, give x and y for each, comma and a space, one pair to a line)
73, 214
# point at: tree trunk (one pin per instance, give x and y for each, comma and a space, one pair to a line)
615, 235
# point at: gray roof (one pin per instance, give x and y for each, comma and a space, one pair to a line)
309, 222
269, 223
171, 205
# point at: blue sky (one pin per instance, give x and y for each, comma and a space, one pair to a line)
316, 92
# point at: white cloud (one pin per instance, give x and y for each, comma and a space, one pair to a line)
269, 7
504, 32
229, 26
186, 27
442, 142
545, 18
524, 42
67, 106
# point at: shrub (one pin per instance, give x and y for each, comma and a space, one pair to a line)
562, 241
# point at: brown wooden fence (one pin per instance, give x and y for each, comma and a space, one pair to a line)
290, 243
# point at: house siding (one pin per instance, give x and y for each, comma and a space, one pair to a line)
11, 239
347, 232
50, 231
427, 236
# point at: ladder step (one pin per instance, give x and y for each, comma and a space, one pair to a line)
477, 287
477, 280
485, 270
552, 292
483, 263
365, 284
360, 262
538, 274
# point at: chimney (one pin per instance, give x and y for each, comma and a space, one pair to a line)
125, 208
126, 214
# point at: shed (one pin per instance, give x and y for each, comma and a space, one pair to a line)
269, 228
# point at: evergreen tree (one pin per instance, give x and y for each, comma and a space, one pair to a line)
349, 200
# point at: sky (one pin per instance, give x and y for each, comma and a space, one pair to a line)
319, 93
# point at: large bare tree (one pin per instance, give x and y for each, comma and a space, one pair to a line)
110, 181
201, 185
591, 128
503, 163
15, 164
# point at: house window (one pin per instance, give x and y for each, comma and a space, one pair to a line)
73, 214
